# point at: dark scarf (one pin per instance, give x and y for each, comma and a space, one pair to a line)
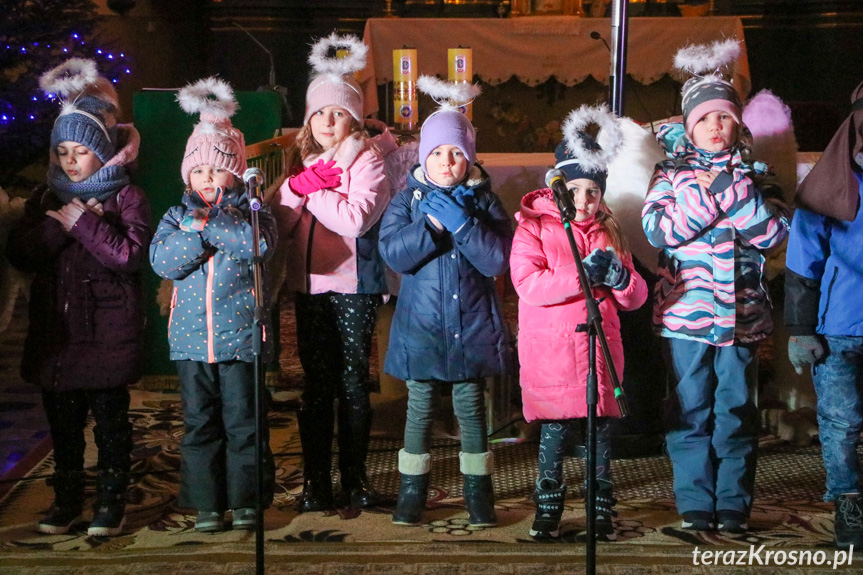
101, 185
831, 188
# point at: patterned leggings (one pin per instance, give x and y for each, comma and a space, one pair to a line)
554, 441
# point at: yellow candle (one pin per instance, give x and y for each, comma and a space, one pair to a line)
460, 64
461, 70
405, 110
405, 65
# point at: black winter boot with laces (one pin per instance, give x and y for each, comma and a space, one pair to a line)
549, 498
605, 503
848, 521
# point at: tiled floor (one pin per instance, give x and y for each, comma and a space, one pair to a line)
22, 420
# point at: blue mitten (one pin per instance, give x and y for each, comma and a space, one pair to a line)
617, 276
603, 267
465, 198
444, 209
596, 266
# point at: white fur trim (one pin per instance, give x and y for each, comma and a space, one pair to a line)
323, 63
609, 138
70, 77
448, 95
698, 59
412, 464
195, 98
476, 463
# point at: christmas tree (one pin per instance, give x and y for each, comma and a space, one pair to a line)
35, 36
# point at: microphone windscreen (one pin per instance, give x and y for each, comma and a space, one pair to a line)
552, 175
253, 173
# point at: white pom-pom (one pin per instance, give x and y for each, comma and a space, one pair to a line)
609, 138
196, 98
69, 78
701, 59
448, 94
324, 63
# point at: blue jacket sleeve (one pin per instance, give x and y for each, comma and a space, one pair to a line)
486, 239
174, 253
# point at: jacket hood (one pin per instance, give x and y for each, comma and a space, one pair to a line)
347, 151
538, 203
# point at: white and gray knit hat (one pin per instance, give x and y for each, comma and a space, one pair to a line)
707, 90
89, 109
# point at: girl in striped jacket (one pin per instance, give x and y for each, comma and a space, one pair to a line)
707, 209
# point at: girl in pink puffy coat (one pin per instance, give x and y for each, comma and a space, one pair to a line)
553, 356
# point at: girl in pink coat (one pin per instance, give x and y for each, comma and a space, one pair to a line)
553, 356
331, 204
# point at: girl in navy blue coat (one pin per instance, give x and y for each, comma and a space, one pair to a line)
205, 246
449, 235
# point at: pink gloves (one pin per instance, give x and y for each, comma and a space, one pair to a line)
316, 177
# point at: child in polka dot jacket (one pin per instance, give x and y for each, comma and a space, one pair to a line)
205, 246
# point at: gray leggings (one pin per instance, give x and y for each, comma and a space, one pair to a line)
468, 402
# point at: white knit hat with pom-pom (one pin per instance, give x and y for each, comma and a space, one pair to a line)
214, 141
333, 84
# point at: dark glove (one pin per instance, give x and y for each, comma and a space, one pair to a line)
803, 350
606, 269
316, 177
444, 209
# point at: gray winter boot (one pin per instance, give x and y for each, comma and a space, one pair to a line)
478, 488
413, 490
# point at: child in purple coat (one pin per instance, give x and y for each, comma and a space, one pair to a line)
85, 237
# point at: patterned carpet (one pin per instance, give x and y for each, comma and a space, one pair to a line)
159, 535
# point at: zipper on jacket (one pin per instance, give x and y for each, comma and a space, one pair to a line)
829, 293
208, 294
309, 254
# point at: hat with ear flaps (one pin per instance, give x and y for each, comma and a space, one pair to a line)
580, 156
214, 141
447, 125
707, 90
89, 109
334, 84
832, 188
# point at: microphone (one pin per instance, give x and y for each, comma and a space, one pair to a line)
556, 180
254, 179
597, 36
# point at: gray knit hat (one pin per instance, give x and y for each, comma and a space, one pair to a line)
89, 107
707, 90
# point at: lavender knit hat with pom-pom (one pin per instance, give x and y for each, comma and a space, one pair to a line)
214, 141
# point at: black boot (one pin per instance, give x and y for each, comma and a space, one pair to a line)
109, 512
413, 490
478, 488
549, 498
316, 437
848, 521
68, 503
605, 503
355, 426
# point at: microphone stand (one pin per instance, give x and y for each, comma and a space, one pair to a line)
594, 330
619, 33
257, 350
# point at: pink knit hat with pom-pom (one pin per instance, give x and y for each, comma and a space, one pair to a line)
214, 141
